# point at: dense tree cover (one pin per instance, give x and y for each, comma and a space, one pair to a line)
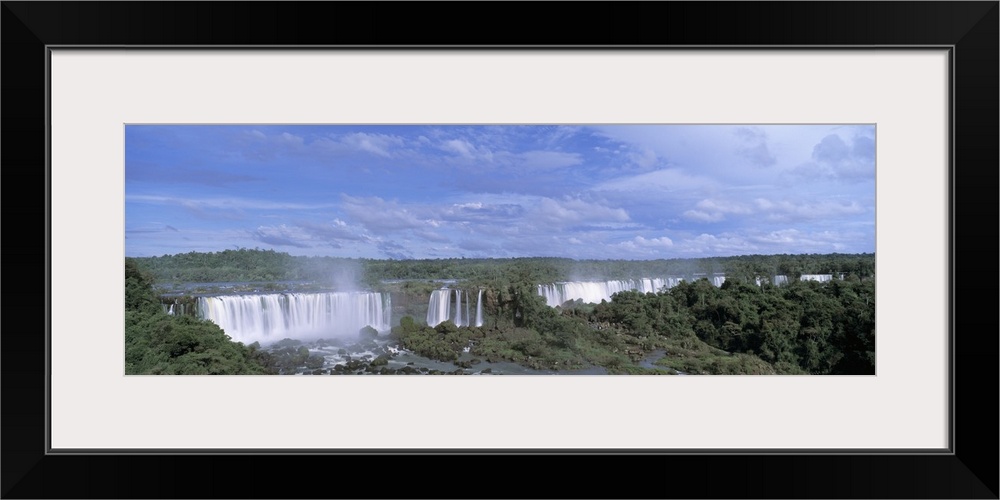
268, 265
157, 343
740, 328
805, 326
695, 327
228, 265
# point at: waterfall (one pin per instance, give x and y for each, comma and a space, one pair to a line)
171, 310
272, 317
779, 279
479, 308
595, 291
822, 278
439, 307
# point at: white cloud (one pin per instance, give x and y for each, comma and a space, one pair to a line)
799, 239
723, 244
783, 211
466, 150
662, 241
378, 215
643, 247
755, 147
833, 158
645, 158
292, 139
711, 210
378, 144
698, 215
658, 181
382, 145
570, 211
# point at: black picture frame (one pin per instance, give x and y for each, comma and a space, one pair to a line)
970, 470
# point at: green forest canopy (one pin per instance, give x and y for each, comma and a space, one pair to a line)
256, 265
738, 328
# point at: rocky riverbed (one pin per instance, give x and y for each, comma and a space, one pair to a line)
383, 356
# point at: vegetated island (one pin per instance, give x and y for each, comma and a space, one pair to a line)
753, 314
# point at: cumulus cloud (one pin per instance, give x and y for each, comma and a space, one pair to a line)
570, 211
479, 211
644, 158
864, 148
700, 216
640, 242
466, 150
517, 190
831, 149
377, 144
754, 147
714, 210
710, 244
835, 159
799, 241
379, 215
291, 139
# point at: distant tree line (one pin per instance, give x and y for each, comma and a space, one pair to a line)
244, 265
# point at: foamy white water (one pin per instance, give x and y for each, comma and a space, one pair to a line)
595, 291
442, 307
272, 317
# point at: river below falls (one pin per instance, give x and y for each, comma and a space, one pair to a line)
336, 352
404, 362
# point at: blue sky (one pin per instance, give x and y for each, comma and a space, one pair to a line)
439, 191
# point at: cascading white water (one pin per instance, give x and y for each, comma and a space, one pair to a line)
816, 277
718, 280
479, 309
272, 317
468, 318
595, 291
439, 308
779, 279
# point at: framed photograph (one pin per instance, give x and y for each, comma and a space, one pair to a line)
875, 117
